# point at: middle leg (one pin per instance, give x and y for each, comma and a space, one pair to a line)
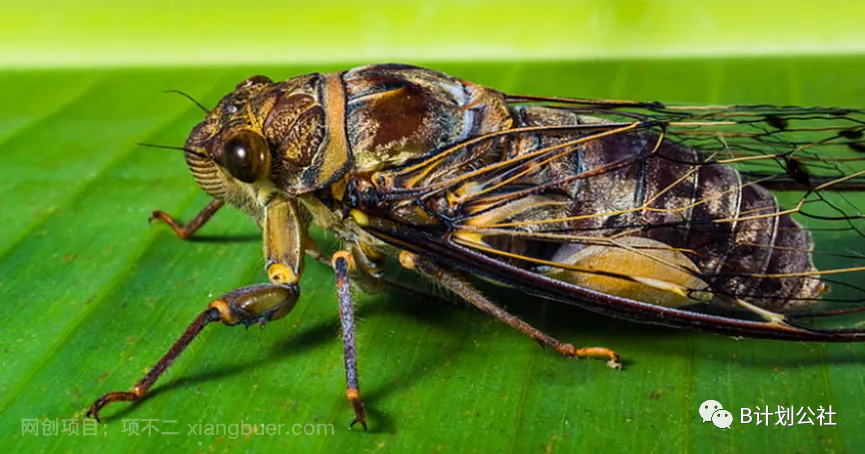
470, 294
342, 263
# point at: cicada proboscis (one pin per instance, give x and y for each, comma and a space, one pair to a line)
651, 212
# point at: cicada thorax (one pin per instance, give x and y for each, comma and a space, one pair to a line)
303, 120
397, 114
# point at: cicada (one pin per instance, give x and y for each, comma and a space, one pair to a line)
687, 216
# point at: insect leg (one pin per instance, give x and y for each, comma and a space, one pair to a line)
185, 231
255, 304
285, 241
369, 277
470, 294
343, 262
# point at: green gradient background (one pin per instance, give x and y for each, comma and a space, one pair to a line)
92, 296
111, 33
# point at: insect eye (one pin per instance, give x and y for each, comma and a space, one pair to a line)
246, 157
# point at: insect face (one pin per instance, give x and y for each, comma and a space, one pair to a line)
227, 148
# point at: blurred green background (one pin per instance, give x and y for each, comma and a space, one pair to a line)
93, 296
119, 33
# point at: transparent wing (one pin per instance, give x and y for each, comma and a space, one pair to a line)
653, 212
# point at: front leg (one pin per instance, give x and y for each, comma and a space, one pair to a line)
185, 231
254, 304
284, 241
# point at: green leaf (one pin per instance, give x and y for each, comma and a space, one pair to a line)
93, 296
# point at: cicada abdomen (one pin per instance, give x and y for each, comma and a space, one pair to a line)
636, 184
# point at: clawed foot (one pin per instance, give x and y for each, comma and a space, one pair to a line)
359, 412
357, 421
591, 352
116, 396
179, 230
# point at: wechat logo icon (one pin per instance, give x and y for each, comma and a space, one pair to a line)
712, 410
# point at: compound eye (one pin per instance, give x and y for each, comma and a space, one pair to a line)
246, 157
